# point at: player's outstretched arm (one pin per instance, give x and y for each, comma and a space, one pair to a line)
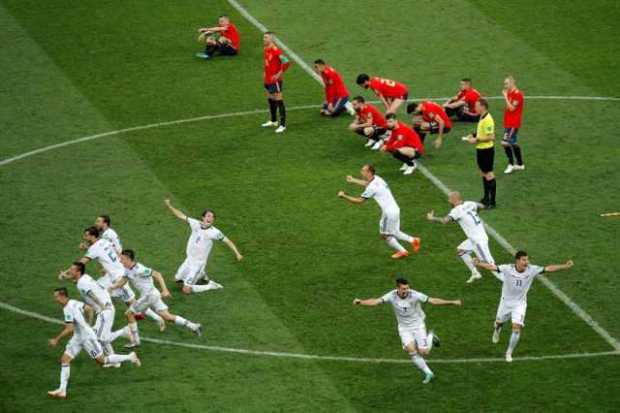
442, 220
441, 301
177, 213
233, 247
360, 182
162, 284
369, 302
66, 331
351, 199
559, 267
485, 265
90, 314
118, 284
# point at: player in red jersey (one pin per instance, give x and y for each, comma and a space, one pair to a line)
222, 39
369, 122
275, 63
435, 120
463, 105
336, 93
513, 110
404, 144
392, 93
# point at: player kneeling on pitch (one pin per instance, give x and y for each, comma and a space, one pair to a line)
141, 277
516, 281
404, 144
83, 336
407, 306
222, 39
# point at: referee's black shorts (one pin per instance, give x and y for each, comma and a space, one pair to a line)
485, 158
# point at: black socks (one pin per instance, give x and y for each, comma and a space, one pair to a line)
282, 109
403, 158
517, 150
273, 109
508, 150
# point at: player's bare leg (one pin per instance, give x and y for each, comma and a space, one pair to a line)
419, 362
196, 328
394, 105
134, 334
65, 373
150, 314
391, 240
469, 262
514, 340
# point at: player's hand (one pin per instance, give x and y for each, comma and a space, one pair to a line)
384, 148
340, 194
430, 215
458, 302
569, 263
504, 92
167, 202
471, 139
165, 293
239, 257
349, 178
438, 142
83, 246
52, 342
476, 261
357, 301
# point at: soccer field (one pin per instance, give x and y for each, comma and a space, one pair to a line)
104, 109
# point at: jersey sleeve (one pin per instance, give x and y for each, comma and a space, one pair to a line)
420, 296
489, 127
454, 214
91, 253
68, 315
194, 224
145, 271
537, 270
499, 272
218, 235
369, 192
387, 298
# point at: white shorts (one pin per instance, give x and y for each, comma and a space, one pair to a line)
91, 345
389, 223
190, 272
513, 312
152, 300
478, 247
125, 293
416, 334
103, 324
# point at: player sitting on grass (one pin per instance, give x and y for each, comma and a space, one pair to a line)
407, 306
434, 120
83, 336
404, 144
222, 39
516, 281
336, 93
463, 105
369, 123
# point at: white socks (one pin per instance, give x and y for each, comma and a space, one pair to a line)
404, 237
123, 332
180, 321
117, 358
420, 363
65, 372
135, 335
107, 347
466, 257
153, 316
514, 339
392, 242
429, 341
201, 288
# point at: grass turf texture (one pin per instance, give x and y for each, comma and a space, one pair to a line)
98, 66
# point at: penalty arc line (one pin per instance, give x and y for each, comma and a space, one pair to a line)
555, 290
316, 357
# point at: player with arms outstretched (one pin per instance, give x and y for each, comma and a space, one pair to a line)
407, 306
275, 63
516, 281
103, 224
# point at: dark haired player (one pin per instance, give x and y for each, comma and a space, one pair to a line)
516, 281
407, 306
404, 144
336, 93
435, 120
275, 64
513, 99
369, 123
103, 224
222, 39
463, 105
392, 93
198, 249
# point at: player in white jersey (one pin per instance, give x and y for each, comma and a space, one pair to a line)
103, 223
83, 337
141, 277
198, 249
407, 306
516, 281
389, 225
465, 213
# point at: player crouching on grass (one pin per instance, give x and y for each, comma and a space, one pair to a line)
336, 93
434, 120
407, 306
369, 123
222, 39
404, 144
392, 93
463, 105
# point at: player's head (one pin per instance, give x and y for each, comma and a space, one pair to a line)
61, 295
268, 39
391, 121
363, 80
128, 258
76, 270
358, 102
465, 83
103, 222
414, 108
91, 234
402, 287
223, 20
368, 171
509, 83
521, 260
319, 65
482, 105
208, 217
455, 198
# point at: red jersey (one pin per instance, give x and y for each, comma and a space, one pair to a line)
404, 136
334, 85
371, 111
387, 88
275, 62
470, 96
429, 108
512, 119
232, 34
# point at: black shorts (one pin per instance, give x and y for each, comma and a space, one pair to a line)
434, 128
465, 117
377, 132
486, 159
273, 88
226, 49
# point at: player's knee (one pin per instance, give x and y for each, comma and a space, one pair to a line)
368, 131
423, 350
65, 359
187, 289
516, 327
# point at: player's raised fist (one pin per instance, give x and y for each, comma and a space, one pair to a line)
340, 194
569, 263
349, 178
430, 215
167, 201
357, 301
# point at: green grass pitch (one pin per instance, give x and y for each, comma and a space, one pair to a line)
73, 69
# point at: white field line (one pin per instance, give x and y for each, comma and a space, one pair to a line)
575, 308
316, 357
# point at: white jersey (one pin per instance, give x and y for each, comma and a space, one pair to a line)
105, 254
380, 191
111, 235
141, 278
516, 284
74, 314
408, 310
88, 288
466, 214
201, 240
